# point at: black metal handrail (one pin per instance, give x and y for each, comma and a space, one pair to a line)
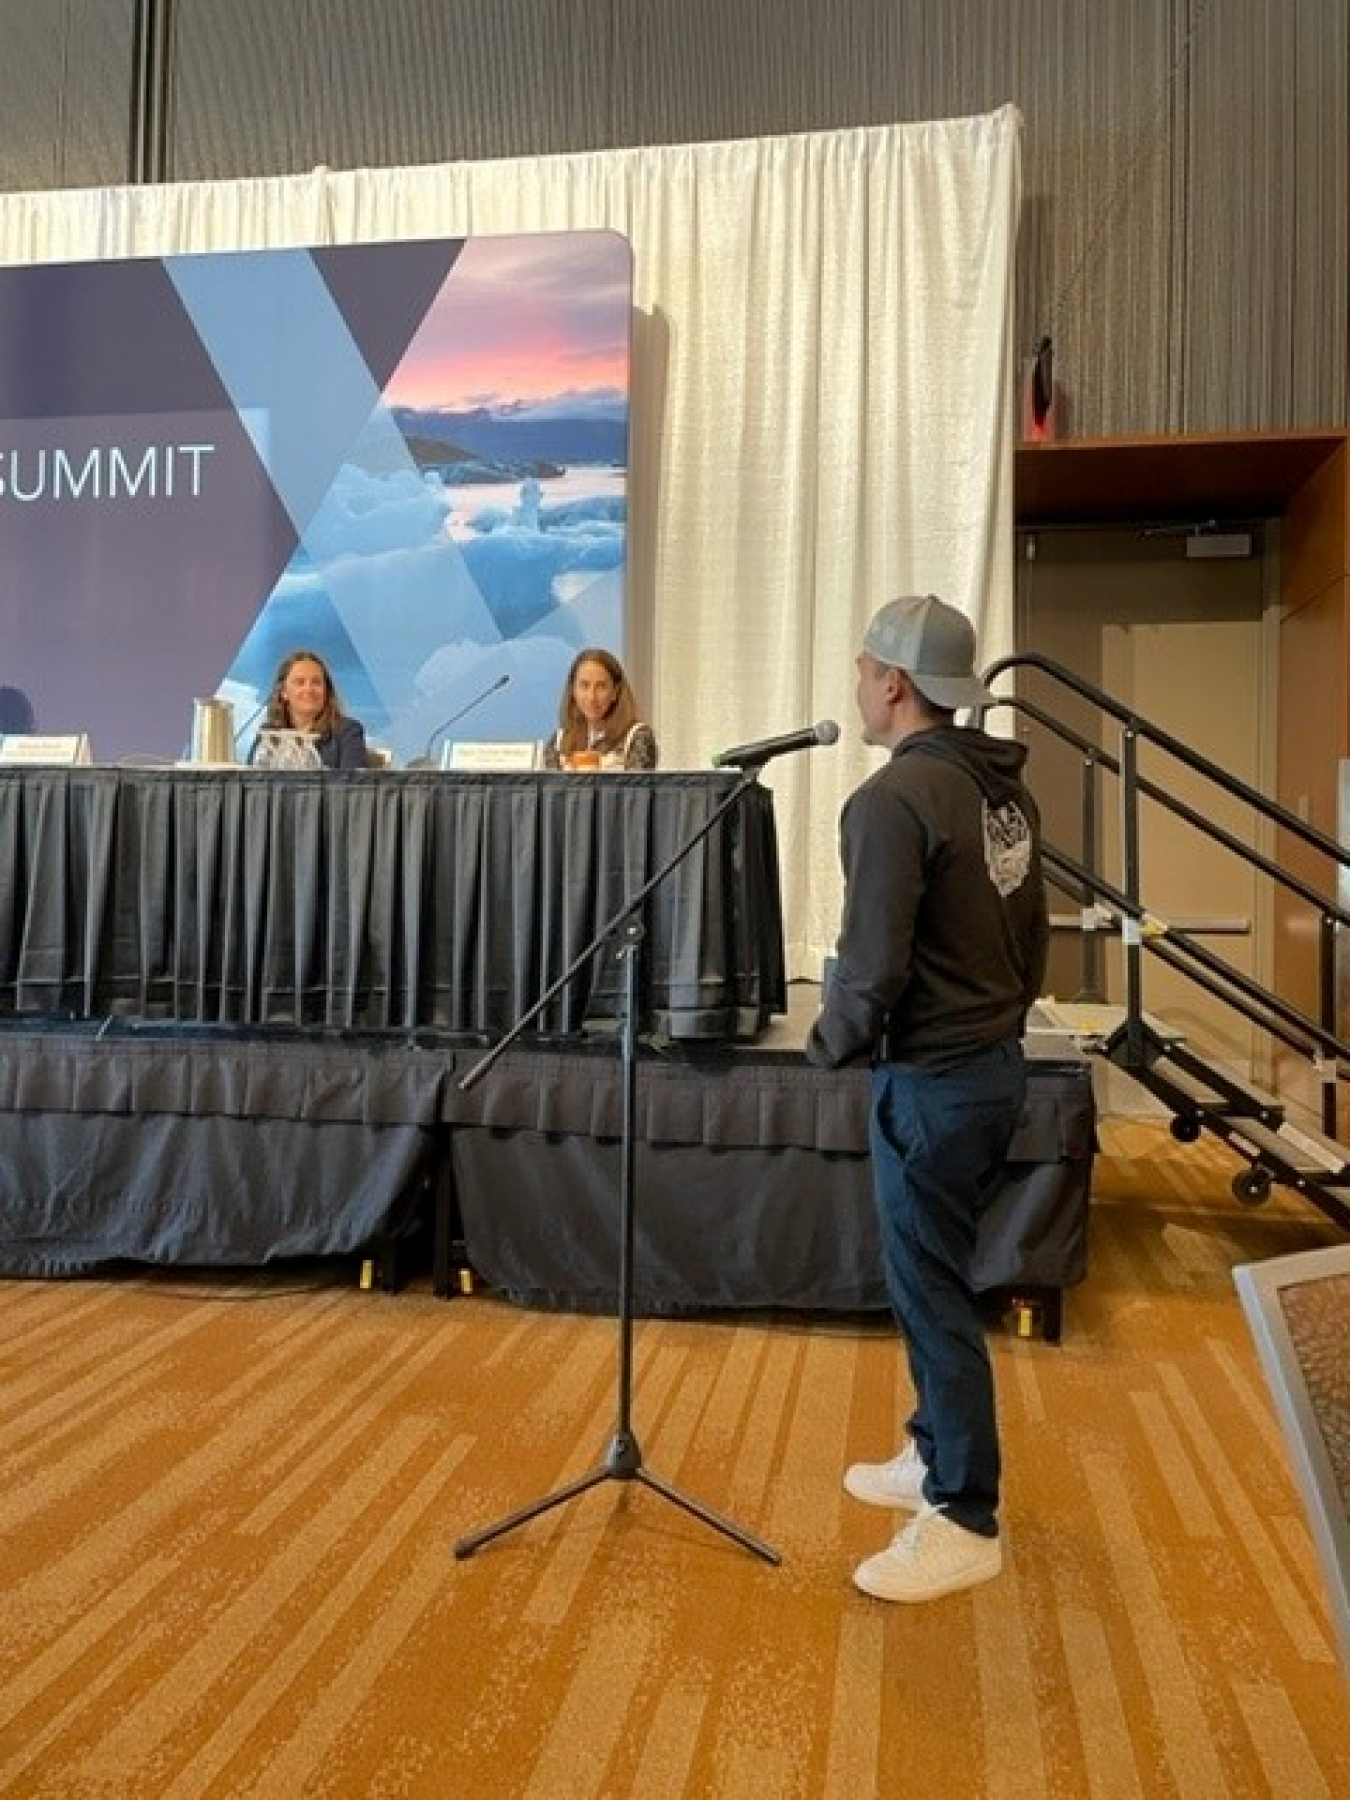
1181, 952
1188, 814
1315, 1038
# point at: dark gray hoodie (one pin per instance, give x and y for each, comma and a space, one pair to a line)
944, 936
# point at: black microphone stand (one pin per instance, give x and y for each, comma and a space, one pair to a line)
426, 760
622, 1459
249, 723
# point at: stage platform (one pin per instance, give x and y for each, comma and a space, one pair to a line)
222, 1147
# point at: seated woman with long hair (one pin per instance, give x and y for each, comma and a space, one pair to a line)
599, 726
303, 698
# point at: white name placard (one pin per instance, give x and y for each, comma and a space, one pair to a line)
39, 748
484, 758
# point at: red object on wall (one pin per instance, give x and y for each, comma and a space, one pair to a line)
1039, 420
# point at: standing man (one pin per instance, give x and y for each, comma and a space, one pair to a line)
941, 953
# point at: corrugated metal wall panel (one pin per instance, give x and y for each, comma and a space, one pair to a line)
65, 93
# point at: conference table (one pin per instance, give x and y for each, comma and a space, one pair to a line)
385, 900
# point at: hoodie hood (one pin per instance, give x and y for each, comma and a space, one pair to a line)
996, 763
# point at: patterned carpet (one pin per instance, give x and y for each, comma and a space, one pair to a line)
228, 1509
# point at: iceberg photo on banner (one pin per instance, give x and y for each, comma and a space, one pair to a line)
410, 458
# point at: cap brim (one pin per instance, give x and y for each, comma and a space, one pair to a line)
952, 692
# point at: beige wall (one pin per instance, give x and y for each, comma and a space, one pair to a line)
1186, 645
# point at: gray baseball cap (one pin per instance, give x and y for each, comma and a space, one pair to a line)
934, 644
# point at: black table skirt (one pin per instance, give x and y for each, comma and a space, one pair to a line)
383, 900
752, 1185
752, 1176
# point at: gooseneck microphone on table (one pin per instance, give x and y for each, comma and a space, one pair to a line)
248, 725
754, 756
426, 760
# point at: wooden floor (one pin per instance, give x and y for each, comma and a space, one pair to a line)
228, 1509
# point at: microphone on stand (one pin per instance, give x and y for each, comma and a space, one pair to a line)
248, 724
426, 760
754, 756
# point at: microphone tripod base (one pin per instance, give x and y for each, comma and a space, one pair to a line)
622, 1462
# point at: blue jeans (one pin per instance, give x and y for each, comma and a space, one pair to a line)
939, 1142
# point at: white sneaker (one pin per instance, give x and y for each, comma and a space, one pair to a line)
929, 1558
897, 1483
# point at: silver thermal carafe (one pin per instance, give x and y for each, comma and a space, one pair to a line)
212, 731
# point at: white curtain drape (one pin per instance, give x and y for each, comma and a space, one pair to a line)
822, 399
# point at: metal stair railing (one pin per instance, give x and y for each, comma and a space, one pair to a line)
1199, 1094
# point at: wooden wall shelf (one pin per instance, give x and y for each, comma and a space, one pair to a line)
1135, 480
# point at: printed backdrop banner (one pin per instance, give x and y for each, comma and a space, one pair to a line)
409, 457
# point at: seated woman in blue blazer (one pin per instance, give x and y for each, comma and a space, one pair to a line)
303, 698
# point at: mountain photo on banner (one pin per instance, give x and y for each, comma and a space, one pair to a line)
475, 527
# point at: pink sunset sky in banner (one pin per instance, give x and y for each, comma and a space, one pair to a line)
519, 329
